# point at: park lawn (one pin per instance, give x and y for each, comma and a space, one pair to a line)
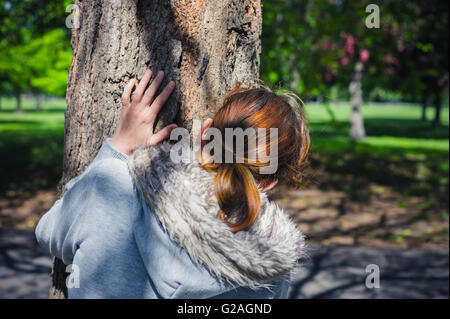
400, 151
31, 145
49, 117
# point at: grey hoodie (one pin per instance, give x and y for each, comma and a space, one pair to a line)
145, 227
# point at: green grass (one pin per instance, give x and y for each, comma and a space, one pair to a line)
380, 121
31, 145
408, 143
373, 110
400, 151
49, 117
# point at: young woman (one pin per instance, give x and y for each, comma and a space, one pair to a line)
136, 224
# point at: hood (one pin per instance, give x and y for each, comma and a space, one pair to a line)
182, 197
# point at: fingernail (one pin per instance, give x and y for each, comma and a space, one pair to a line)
160, 73
171, 84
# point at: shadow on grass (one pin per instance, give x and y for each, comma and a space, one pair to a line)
404, 128
47, 110
44, 109
25, 122
383, 127
31, 160
352, 167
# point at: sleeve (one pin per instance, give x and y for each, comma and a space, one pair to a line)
107, 151
104, 187
174, 274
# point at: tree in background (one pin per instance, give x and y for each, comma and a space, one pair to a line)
321, 44
314, 46
50, 62
34, 44
422, 74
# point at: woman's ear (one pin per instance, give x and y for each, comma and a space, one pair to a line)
268, 184
206, 125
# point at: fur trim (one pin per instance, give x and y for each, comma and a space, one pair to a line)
182, 197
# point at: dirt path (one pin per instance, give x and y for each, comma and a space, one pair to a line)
385, 218
405, 239
341, 271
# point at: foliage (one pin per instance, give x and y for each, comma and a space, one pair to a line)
311, 46
34, 47
50, 62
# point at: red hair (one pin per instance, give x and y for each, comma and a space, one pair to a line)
236, 184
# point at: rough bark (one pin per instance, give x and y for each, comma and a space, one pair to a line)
207, 47
357, 131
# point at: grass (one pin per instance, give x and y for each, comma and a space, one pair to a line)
50, 116
31, 144
400, 151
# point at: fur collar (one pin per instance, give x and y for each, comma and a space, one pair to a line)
182, 197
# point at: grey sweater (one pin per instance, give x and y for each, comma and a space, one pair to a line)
146, 227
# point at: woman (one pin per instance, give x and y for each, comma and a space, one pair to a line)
136, 224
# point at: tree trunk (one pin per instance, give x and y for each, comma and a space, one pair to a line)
38, 101
357, 131
437, 106
18, 103
205, 46
424, 109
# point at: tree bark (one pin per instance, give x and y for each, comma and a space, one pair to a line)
207, 47
357, 131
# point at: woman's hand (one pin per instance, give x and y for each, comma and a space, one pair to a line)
138, 116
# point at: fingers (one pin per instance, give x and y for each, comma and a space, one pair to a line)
151, 91
161, 135
205, 125
127, 92
161, 99
137, 95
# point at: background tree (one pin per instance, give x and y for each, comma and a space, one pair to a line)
49, 63
206, 47
320, 45
423, 74
26, 29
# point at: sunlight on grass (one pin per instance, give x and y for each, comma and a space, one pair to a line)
408, 143
318, 113
33, 143
49, 117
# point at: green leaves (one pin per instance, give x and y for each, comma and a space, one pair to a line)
50, 63
35, 50
306, 47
